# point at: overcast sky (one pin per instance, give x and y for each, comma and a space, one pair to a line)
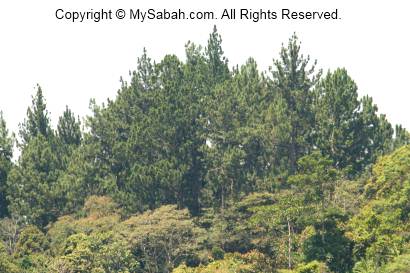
74, 62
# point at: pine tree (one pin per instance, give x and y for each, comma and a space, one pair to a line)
6, 153
68, 128
401, 137
149, 137
32, 180
347, 129
217, 62
236, 152
293, 117
37, 122
117, 149
373, 133
336, 106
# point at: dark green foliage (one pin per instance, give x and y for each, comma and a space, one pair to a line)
33, 192
328, 244
150, 139
315, 179
30, 183
238, 148
85, 175
68, 128
347, 129
293, 80
238, 228
375, 135
215, 59
337, 107
6, 153
37, 122
195, 167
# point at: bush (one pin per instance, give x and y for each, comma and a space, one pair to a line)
313, 267
217, 253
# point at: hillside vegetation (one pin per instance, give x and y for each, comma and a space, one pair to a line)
196, 167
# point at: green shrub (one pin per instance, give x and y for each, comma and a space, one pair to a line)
313, 267
217, 253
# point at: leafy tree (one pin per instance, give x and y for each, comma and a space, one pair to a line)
281, 221
100, 214
252, 262
100, 240
30, 250
315, 180
377, 229
94, 253
6, 261
86, 242
31, 240
233, 232
162, 239
329, 244
9, 233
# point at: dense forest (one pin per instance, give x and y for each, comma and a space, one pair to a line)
199, 167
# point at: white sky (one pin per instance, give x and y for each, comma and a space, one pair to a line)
76, 62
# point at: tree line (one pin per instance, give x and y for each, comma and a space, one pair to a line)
275, 165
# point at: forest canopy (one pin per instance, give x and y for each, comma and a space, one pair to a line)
197, 167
